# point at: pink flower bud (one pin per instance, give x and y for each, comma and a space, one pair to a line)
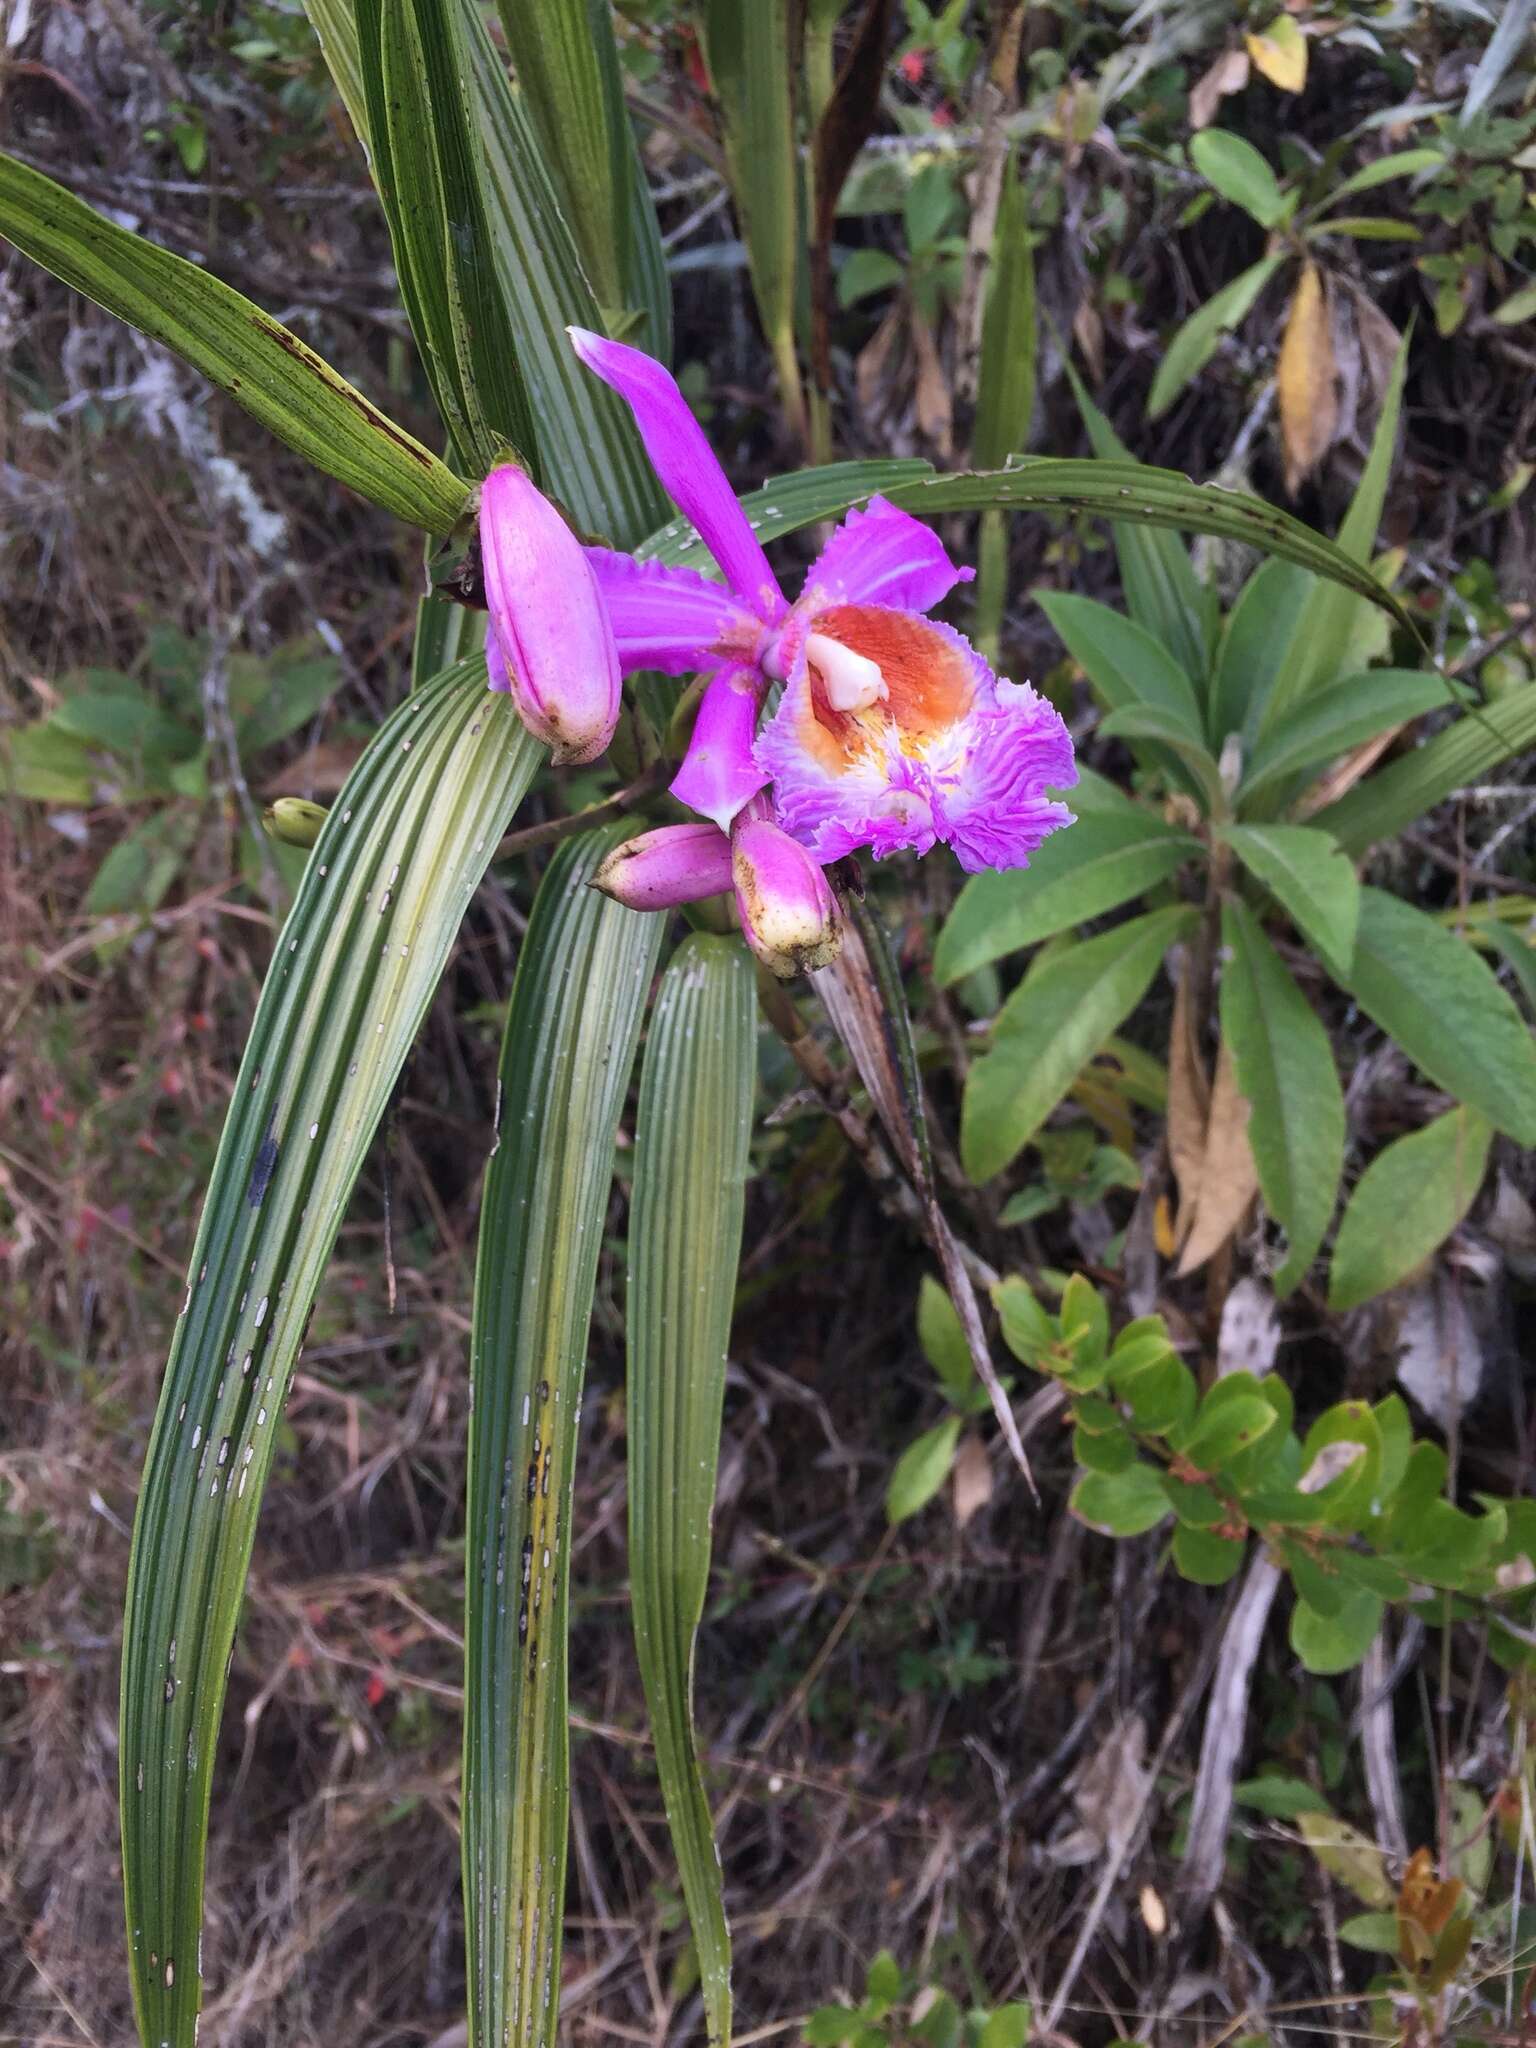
788, 913
674, 864
550, 643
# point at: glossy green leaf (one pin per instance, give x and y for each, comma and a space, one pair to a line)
1253, 644
1330, 1643
1205, 1558
1353, 711
1286, 1073
1409, 1200
1239, 173
1122, 660
1432, 993
1049, 1029
1312, 878
263, 365
1162, 591
1401, 163
427, 165
1194, 764
382, 896
582, 979
1192, 345
1102, 861
1386, 803
691, 1141
942, 1337
921, 1470
1125, 1503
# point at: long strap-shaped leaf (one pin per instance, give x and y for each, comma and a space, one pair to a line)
581, 985
427, 167
261, 364
382, 897
691, 1144
1130, 493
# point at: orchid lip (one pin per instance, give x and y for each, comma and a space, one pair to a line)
852, 681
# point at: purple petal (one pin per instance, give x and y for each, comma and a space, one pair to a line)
674, 864
994, 810
882, 556
897, 775
719, 772
686, 464
550, 645
789, 915
674, 620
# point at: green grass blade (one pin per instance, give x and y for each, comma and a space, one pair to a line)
1129, 493
261, 364
383, 893
691, 1142
581, 985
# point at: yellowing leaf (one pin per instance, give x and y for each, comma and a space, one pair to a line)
1309, 404
1351, 1857
1280, 52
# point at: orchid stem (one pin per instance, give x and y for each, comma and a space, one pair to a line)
556, 829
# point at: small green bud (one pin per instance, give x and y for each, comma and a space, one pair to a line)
294, 820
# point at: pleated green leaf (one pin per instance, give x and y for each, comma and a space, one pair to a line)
581, 985
691, 1147
584, 442
261, 364
382, 896
1127, 492
427, 166
567, 65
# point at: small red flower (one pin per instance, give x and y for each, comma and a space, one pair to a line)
377, 1688
913, 65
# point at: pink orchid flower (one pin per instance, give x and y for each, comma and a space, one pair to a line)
549, 646
789, 915
891, 731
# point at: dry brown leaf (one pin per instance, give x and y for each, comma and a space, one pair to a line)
318, 771
1229, 73
935, 413
1189, 1105
869, 370
970, 1479
1229, 1180
1379, 339
1088, 333
1309, 405
1280, 52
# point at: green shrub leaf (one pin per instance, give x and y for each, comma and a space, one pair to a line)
1409, 1200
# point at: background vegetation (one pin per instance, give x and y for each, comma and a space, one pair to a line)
966, 1753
